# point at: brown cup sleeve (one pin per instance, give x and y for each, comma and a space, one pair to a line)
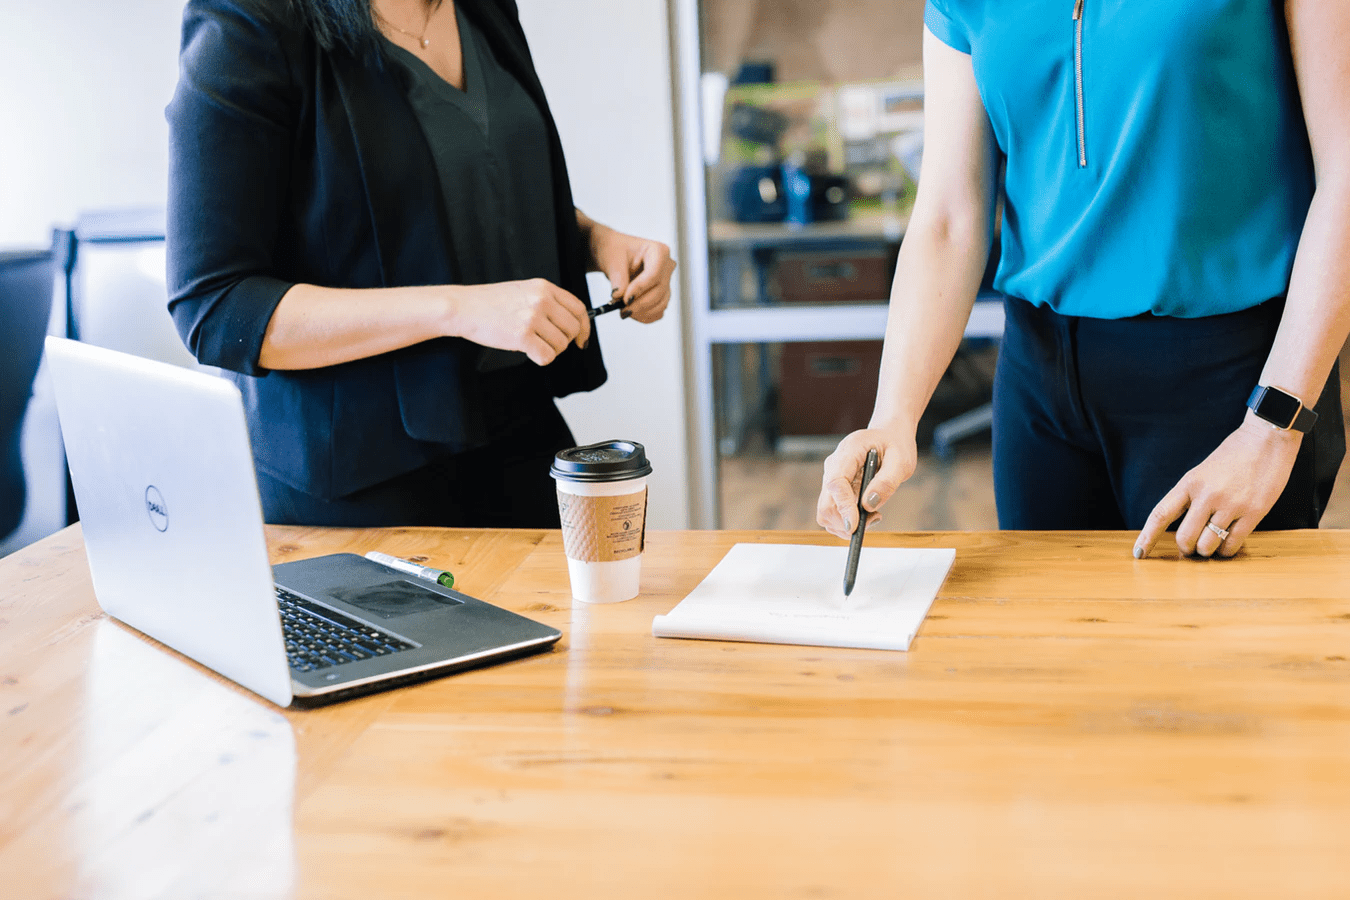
603, 529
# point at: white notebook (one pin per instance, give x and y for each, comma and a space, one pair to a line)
794, 594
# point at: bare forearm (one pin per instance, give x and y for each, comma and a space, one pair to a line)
316, 326
589, 229
1317, 309
936, 279
1316, 317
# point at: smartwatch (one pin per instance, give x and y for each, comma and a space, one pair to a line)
1285, 411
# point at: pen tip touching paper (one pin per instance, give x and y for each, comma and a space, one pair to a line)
855, 544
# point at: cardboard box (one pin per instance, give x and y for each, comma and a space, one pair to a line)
861, 276
827, 387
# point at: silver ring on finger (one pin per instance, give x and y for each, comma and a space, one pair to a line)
1221, 532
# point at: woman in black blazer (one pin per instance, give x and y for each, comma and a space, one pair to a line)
372, 231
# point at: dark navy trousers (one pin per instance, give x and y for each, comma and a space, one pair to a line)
1096, 419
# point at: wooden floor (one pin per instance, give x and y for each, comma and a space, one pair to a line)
766, 491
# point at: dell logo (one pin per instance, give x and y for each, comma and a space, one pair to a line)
158, 511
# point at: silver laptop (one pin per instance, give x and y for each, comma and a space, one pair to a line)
168, 501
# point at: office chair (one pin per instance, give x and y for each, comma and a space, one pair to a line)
27, 282
118, 298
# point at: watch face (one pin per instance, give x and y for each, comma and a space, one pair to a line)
1278, 407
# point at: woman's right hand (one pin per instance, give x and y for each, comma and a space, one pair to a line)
837, 508
536, 317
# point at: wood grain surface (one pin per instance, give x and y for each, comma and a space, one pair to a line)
1070, 722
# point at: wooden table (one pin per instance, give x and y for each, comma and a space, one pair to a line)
1069, 722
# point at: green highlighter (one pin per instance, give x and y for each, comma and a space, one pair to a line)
426, 573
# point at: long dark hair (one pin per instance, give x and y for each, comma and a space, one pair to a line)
346, 24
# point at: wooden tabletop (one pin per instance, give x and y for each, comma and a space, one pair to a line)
1070, 722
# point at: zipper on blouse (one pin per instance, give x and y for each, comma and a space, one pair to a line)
1078, 81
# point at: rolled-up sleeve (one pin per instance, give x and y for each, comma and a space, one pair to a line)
939, 20
231, 130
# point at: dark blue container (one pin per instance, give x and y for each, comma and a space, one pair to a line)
755, 194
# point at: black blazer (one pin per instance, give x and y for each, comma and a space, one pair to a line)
290, 164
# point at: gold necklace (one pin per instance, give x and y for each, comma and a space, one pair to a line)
420, 38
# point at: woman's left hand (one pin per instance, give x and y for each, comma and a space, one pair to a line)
639, 271
1233, 488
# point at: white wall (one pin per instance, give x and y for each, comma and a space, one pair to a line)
605, 65
83, 88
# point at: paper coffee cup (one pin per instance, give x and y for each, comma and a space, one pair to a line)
602, 501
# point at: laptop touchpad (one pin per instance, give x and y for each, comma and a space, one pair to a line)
394, 598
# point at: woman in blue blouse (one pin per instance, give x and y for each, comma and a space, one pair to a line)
1175, 253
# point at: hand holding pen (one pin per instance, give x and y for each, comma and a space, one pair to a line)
608, 307
639, 270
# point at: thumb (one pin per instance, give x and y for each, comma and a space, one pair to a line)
890, 475
616, 270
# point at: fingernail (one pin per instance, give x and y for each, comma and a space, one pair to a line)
1138, 552
873, 499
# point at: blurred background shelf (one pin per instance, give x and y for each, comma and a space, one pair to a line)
802, 127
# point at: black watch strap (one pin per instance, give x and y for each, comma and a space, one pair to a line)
1281, 409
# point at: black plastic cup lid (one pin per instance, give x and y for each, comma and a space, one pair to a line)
605, 461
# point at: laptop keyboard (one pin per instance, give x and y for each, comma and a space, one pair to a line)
318, 637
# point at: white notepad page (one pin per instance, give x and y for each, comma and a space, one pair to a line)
794, 594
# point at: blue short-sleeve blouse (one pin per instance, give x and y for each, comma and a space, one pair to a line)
1157, 159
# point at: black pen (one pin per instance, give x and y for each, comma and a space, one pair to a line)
855, 545
608, 307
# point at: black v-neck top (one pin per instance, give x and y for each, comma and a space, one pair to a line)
490, 144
